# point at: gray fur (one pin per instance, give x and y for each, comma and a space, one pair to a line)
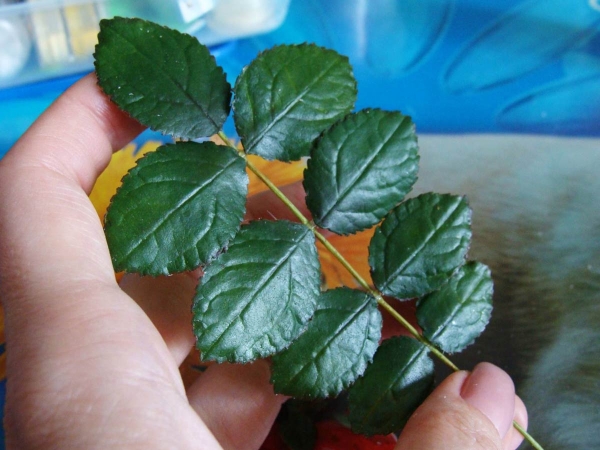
536, 223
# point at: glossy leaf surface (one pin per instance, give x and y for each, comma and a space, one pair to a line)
420, 244
165, 79
455, 315
287, 96
360, 169
169, 215
256, 298
335, 349
393, 386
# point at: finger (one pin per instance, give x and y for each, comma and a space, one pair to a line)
167, 301
76, 135
237, 403
46, 176
75, 338
465, 412
513, 438
52, 247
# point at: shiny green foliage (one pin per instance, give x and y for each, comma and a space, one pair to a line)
335, 349
420, 244
360, 169
165, 79
260, 296
455, 315
287, 96
256, 298
148, 222
393, 386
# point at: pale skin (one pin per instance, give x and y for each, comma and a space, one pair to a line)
94, 365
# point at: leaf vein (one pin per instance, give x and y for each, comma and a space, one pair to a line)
400, 374
288, 107
169, 213
258, 286
169, 77
335, 335
360, 173
422, 245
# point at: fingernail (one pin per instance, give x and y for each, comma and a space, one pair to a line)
491, 391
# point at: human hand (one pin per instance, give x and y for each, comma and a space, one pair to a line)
91, 364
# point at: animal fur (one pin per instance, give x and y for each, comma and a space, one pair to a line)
536, 223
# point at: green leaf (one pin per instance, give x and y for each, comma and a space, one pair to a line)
256, 298
170, 214
166, 80
393, 386
360, 169
420, 244
455, 315
287, 96
335, 349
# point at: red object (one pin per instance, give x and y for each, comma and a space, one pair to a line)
274, 441
334, 436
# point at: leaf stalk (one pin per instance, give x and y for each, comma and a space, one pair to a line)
361, 281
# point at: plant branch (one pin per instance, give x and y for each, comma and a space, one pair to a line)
380, 300
344, 262
529, 438
383, 303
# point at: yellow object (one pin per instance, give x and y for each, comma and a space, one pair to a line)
82, 25
50, 37
109, 180
64, 35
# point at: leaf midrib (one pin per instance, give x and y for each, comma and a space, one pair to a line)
258, 287
417, 250
175, 208
352, 183
254, 142
338, 331
391, 385
457, 309
170, 78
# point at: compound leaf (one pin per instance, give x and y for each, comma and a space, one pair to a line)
393, 386
335, 349
256, 298
360, 169
165, 79
169, 215
455, 315
419, 244
288, 95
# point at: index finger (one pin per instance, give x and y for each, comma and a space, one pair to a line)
49, 232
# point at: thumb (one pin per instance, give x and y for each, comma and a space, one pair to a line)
467, 411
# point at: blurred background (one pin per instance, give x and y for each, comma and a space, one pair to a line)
506, 98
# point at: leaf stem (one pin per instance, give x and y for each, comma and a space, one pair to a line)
380, 300
344, 262
385, 305
529, 438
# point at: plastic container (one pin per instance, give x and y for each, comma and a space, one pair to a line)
42, 39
